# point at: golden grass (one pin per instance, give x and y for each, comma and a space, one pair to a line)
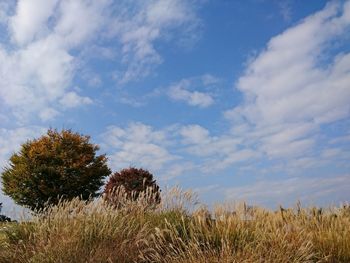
77, 231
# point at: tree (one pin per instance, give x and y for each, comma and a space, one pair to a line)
58, 165
134, 181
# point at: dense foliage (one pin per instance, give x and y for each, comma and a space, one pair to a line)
58, 165
134, 182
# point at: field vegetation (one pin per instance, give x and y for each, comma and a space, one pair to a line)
177, 230
58, 176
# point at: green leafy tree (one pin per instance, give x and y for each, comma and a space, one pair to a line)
58, 165
134, 181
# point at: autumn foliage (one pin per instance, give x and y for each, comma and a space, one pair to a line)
58, 165
134, 182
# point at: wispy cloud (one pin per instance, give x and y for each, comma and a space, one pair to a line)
287, 191
137, 145
291, 89
194, 91
289, 95
71, 100
140, 27
193, 98
37, 67
216, 152
197, 91
40, 60
294, 91
285, 10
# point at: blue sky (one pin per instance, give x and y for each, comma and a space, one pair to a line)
238, 100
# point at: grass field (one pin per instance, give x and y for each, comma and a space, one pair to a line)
176, 231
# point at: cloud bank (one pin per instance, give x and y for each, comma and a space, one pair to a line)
292, 91
43, 54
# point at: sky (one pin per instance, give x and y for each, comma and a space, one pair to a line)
237, 100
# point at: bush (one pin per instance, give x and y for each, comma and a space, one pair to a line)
134, 182
58, 165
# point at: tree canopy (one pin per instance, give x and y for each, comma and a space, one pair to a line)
58, 165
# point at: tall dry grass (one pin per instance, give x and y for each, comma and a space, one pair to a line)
175, 231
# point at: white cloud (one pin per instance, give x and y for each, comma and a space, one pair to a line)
147, 22
208, 80
137, 145
332, 152
195, 98
237, 157
48, 113
177, 169
196, 91
167, 150
288, 140
34, 77
216, 152
71, 100
182, 91
140, 101
38, 68
289, 191
280, 120
79, 20
195, 134
290, 143
5, 10
295, 86
288, 76
341, 139
200, 143
38, 73
30, 19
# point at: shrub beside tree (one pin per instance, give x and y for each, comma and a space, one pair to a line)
134, 182
58, 165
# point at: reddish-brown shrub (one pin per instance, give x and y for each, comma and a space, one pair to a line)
134, 182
